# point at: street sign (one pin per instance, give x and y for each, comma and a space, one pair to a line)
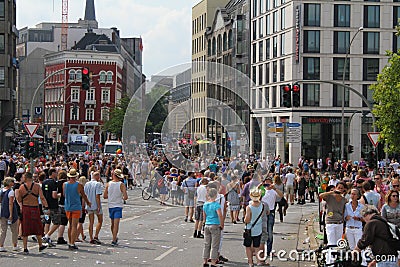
31, 128
275, 125
275, 130
293, 125
38, 110
275, 135
373, 137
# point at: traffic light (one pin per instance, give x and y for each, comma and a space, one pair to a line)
296, 95
350, 149
85, 79
286, 95
30, 149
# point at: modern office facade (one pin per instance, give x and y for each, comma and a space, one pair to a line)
299, 41
8, 72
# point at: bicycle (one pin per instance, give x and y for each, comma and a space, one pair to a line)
152, 191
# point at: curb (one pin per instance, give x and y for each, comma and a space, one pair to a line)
313, 229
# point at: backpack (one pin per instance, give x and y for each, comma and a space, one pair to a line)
394, 230
160, 183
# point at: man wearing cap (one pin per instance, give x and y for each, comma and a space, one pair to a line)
116, 194
73, 191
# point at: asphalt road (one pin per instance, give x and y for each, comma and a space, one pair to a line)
155, 235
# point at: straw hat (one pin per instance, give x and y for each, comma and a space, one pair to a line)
118, 173
73, 173
255, 195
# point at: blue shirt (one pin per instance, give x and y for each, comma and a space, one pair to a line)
255, 212
348, 211
210, 208
72, 197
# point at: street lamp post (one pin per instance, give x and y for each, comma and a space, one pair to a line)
343, 92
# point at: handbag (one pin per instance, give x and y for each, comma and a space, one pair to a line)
247, 232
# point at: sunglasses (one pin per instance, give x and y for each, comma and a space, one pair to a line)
395, 185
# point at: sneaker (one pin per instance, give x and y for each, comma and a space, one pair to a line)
26, 251
61, 241
97, 241
16, 248
34, 238
114, 243
50, 243
42, 247
200, 235
192, 221
222, 258
92, 242
2, 249
185, 219
72, 247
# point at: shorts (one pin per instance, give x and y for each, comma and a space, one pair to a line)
290, 189
55, 217
189, 202
115, 213
82, 218
63, 217
95, 211
255, 241
264, 236
198, 215
74, 214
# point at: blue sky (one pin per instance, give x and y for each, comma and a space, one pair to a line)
165, 25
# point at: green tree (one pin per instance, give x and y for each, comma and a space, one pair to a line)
159, 112
117, 115
386, 95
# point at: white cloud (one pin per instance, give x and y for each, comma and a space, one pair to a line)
165, 25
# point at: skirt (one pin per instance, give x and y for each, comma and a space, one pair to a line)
31, 222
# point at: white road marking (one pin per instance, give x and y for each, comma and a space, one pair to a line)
162, 256
171, 220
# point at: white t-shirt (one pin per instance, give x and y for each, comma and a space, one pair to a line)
174, 185
333, 182
201, 193
290, 178
221, 200
269, 198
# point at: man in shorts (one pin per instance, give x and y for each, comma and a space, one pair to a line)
189, 189
49, 187
94, 190
201, 198
73, 191
289, 183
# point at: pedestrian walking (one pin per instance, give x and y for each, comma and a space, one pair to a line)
116, 194
233, 192
9, 214
391, 209
200, 199
94, 190
214, 223
73, 191
31, 222
189, 189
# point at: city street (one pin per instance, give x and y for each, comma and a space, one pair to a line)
154, 235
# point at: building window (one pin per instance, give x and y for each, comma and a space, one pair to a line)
282, 69
266, 97
105, 96
311, 42
274, 71
2, 11
109, 76
254, 30
338, 68
89, 114
338, 96
209, 48
71, 76
255, 8
90, 94
78, 75
275, 3
311, 68
274, 46
74, 113
283, 26
254, 74
311, 95
371, 42
367, 93
261, 51
2, 43
396, 15
214, 46
283, 44
260, 74
371, 16
396, 42
102, 76
342, 16
2, 76
75, 94
254, 53
268, 24
261, 27
230, 39
268, 49
225, 42
275, 21
105, 114
312, 15
273, 97
370, 69
267, 72
341, 41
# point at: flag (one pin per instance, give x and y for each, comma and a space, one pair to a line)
140, 44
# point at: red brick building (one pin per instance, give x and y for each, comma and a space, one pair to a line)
70, 110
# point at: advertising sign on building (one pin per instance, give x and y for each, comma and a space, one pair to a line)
297, 37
